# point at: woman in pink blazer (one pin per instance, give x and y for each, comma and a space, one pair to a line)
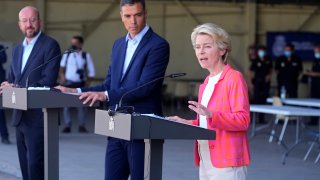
223, 106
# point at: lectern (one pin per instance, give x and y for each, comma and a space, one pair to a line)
50, 102
153, 129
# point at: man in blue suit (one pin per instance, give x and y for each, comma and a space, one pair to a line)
35, 50
136, 59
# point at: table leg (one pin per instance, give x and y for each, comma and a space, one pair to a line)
283, 129
273, 131
285, 154
51, 144
253, 132
298, 130
153, 159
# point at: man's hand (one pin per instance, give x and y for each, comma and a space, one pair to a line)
66, 89
4, 85
93, 97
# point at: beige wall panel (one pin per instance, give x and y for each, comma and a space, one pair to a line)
170, 21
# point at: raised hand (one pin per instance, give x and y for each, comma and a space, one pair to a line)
200, 109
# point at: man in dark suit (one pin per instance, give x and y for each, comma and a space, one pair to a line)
3, 125
35, 50
136, 59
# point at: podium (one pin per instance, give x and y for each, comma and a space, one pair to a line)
153, 129
50, 102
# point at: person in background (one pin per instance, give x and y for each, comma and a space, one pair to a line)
3, 125
35, 50
260, 76
223, 107
288, 68
314, 74
137, 58
76, 71
252, 52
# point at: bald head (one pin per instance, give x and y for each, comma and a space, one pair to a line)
29, 9
29, 22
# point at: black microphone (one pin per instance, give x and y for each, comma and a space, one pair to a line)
3, 49
41, 65
130, 109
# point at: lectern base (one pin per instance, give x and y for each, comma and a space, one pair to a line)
153, 159
51, 144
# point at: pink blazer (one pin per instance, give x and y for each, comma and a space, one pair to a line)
230, 120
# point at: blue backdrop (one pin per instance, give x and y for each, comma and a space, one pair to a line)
303, 42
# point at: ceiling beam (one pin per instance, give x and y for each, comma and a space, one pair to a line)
309, 19
188, 12
88, 30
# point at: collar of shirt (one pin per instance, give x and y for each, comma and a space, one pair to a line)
139, 36
33, 41
27, 49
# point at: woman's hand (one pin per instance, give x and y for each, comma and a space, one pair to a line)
179, 119
200, 109
66, 89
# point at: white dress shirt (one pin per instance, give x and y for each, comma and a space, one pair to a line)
132, 45
74, 62
27, 49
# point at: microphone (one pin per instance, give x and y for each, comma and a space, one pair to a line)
130, 109
3, 49
45, 63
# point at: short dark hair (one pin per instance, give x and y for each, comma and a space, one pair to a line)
132, 2
262, 47
79, 38
317, 45
290, 45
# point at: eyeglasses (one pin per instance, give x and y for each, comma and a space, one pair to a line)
32, 20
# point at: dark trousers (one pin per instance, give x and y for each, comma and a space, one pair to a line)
30, 143
261, 92
124, 158
291, 89
3, 125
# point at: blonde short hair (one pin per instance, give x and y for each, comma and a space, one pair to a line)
221, 37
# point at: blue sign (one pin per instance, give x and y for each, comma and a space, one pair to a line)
302, 41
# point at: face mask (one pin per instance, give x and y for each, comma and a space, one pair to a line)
317, 55
75, 47
261, 54
287, 53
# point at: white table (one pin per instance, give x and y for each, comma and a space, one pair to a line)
287, 111
308, 102
282, 110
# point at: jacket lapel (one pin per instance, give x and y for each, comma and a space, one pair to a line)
19, 62
36, 48
119, 65
143, 42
